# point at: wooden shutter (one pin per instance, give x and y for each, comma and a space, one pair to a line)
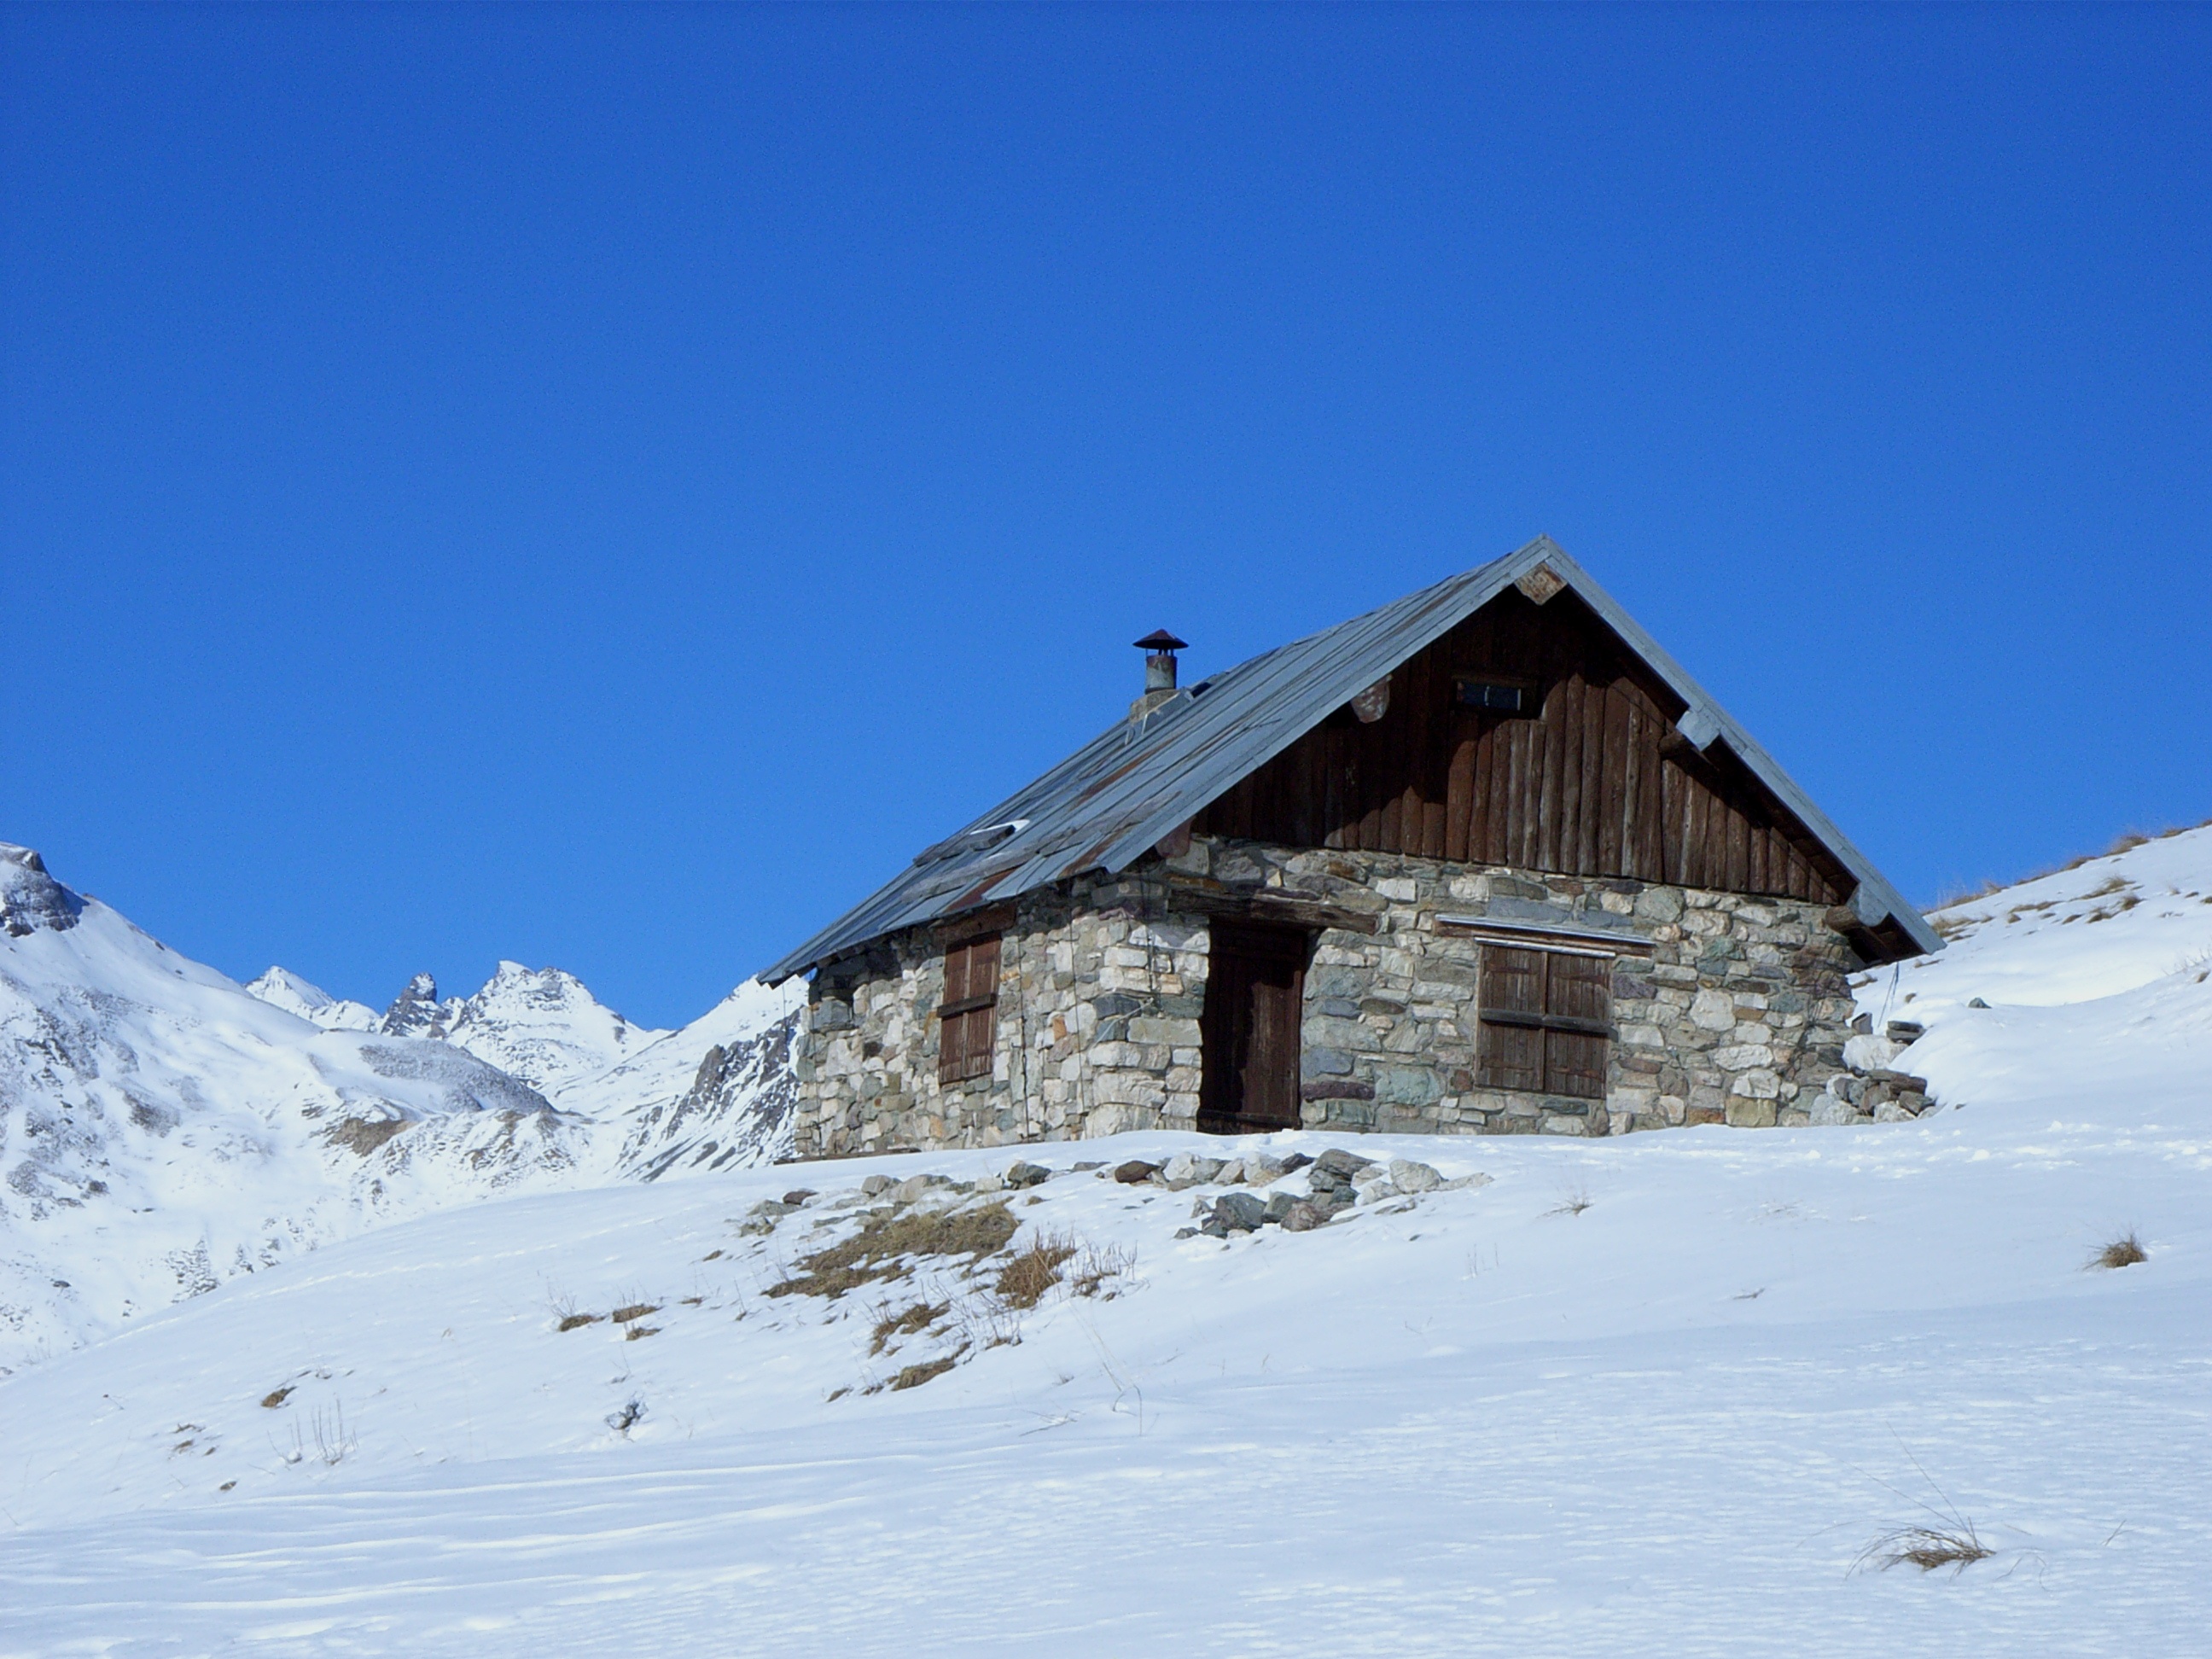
1577, 1007
968, 1013
1512, 1014
1544, 1019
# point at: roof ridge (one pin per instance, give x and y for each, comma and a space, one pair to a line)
1136, 780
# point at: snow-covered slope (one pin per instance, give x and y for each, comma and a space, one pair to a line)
1652, 1394
2105, 926
161, 1130
2072, 988
716, 1095
280, 988
541, 1026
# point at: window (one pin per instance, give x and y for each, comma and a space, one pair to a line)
1499, 697
1545, 1016
968, 1013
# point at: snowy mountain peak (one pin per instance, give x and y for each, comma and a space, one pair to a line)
415, 1012
30, 898
541, 1024
280, 988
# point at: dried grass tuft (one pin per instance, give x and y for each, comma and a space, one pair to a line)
1024, 1280
883, 1248
905, 1323
1102, 1270
636, 1310
2122, 1252
1574, 1203
913, 1376
572, 1321
1954, 1547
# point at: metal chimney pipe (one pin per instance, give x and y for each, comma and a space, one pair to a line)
1159, 647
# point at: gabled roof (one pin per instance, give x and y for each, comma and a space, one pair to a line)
1125, 790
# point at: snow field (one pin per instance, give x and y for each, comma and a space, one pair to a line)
1483, 1422
1655, 1394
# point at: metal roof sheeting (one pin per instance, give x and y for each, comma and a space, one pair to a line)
1125, 790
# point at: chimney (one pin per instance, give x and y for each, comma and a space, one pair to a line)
1159, 647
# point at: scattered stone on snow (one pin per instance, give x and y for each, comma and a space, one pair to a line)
1407, 1176
916, 1187
1134, 1171
1189, 1170
1242, 1210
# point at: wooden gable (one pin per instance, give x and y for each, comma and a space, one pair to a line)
1590, 778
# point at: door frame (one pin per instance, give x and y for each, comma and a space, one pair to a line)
1241, 953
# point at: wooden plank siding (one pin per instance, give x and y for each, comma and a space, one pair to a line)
1593, 781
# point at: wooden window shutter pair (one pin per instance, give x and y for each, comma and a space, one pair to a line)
968, 1013
1544, 1017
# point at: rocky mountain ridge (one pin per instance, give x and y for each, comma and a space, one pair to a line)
163, 1128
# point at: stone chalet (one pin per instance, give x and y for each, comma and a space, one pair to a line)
1485, 860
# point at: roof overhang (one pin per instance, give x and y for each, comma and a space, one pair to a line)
1140, 781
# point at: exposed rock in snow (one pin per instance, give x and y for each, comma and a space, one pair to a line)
279, 988
716, 1095
30, 899
163, 1128
416, 1012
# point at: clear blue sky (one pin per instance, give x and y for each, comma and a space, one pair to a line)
603, 487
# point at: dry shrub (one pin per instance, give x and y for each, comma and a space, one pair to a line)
913, 1376
1927, 1549
571, 1322
1099, 1266
905, 1322
636, 1310
2122, 1252
881, 1249
363, 1135
1024, 1280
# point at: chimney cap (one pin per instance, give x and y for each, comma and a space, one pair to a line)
1160, 640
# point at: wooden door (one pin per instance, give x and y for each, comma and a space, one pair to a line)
1254, 1006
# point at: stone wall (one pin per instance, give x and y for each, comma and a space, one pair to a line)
1738, 1012
1100, 989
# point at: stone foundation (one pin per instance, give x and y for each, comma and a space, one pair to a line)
1738, 1012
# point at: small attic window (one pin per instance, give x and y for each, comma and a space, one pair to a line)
1498, 696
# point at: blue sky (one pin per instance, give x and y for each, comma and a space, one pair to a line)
603, 487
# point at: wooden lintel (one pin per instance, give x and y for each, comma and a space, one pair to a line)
1269, 904
991, 919
1541, 936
